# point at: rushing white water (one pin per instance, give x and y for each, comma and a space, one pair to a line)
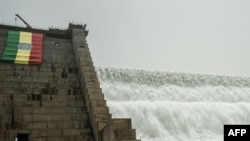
167, 106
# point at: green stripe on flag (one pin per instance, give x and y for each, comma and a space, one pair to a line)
9, 54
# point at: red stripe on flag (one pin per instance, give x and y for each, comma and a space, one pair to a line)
36, 51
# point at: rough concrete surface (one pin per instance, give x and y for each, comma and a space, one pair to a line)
59, 100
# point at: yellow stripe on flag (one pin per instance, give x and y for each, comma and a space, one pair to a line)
22, 56
25, 37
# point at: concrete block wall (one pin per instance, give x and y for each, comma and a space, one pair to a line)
59, 100
43, 101
104, 127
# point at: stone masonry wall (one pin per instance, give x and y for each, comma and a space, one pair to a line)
43, 101
104, 127
59, 100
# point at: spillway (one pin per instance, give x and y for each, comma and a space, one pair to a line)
169, 106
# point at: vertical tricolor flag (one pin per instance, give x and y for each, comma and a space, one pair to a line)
23, 48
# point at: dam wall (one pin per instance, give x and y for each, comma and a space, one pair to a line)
104, 127
60, 99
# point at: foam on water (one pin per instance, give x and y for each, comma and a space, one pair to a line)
167, 106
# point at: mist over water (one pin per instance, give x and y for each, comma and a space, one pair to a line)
167, 106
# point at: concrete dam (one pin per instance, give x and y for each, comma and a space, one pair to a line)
49, 90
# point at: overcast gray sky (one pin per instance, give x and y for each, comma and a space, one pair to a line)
199, 36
